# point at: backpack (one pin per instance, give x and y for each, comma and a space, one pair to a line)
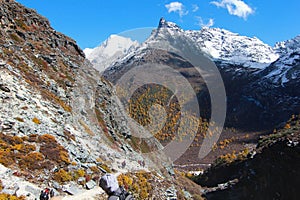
124, 195
46, 194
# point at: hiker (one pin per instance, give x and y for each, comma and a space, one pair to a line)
143, 163
109, 184
46, 194
123, 164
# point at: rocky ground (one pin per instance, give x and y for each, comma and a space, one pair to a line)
61, 124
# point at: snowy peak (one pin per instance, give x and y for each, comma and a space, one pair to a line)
288, 46
230, 47
219, 44
116, 42
109, 51
165, 24
287, 67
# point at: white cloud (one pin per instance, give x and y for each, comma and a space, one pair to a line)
195, 8
201, 22
235, 7
176, 7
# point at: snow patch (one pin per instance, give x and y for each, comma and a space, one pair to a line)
110, 51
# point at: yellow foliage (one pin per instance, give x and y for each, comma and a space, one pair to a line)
19, 119
94, 169
47, 138
30, 161
125, 180
80, 173
105, 167
36, 120
189, 175
64, 157
144, 193
11, 197
287, 126
74, 163
227, 158
62, 176
243, 154
6, 158
137, 183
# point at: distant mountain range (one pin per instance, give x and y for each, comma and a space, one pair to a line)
219, 44
257, 77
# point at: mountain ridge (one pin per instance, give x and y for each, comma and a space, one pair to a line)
225, 46
61, 124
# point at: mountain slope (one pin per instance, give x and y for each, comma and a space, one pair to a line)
286, 68
268, 172
61, 124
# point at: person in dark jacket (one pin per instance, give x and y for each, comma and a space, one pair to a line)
46, 194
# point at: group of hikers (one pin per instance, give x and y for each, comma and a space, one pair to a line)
107, 182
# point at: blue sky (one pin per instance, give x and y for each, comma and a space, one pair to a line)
90, 22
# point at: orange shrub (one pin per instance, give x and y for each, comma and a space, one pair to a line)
47, 138
6, 158
36, 120
62, 176
31, 161
11, 197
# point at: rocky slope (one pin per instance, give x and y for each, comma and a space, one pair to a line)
268, 172
61, 124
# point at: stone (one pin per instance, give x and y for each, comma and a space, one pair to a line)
32, 190
8, 191
90, 185
72, 189
48, 59
4, 88
69, 84
61, 112
7, 125
56, 185
2, 63
3, 96
89, 171
21, 97
81, 180
171, 193
187, 195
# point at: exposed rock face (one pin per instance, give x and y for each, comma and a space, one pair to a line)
61, 123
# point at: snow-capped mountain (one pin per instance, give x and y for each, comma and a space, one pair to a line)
109, 51
230, 47
219, 44
256, 76
287, 67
